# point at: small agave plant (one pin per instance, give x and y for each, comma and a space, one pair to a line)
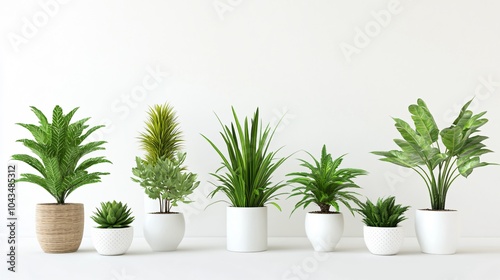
113, 235
113, 215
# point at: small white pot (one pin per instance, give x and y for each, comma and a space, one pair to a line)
437, 231
324, 230
112, 241
164, 232
246, 229
383, 240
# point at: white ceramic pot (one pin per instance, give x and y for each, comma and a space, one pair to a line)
324, 230
383, 240
112, 241
164, 232
437, 231
246, 229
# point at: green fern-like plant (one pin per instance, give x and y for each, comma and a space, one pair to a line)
385, 213
162, 138
165, 181
58, 150
248, 164
324, 184
113, 215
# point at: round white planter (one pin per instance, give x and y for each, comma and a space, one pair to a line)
246, 229
112, 241
164, 232
437, 231
324, 230
383, 240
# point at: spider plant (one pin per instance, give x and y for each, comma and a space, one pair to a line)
385, 213
439, 165
59, 149
324, 184
248, 165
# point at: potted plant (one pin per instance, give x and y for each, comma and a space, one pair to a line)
326, 186
164, 178
245, 178
113, 235
382, 233
58, 149
439, 164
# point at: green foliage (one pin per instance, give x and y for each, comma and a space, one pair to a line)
58, 148
324, 184
248, 165
163, 136
165, 181
438, 166
113, 215
386, 213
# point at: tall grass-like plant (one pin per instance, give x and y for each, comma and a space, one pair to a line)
324, 184
162, 138
58, 150
248, 165
439, 164
384, 213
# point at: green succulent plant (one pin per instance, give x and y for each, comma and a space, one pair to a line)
165, 181
248, 165
385, 213
113, 215
439, 164
324, 184
162, 138
58, 150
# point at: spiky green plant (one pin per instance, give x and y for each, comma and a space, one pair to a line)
385, 213
248, 165
113, 215
165, 181
324, 184
438, 166
59, 149
162, 137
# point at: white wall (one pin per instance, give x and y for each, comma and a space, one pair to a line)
339, 87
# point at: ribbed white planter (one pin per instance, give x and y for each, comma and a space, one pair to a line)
164, 232
246, 229
383, 240
112, 241
324, 230
437, 231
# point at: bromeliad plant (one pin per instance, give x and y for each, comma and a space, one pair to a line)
113, 215
248, 165
58, 148
439, 165
324, 184
165, 181
385, 213
161, 173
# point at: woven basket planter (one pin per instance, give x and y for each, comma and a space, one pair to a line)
59, 227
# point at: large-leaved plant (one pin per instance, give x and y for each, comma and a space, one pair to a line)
439, 157
58, 149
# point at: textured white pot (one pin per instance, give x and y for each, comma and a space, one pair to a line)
324, 230
164, 232
112, 241
246, 229
383, 240
437, 231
